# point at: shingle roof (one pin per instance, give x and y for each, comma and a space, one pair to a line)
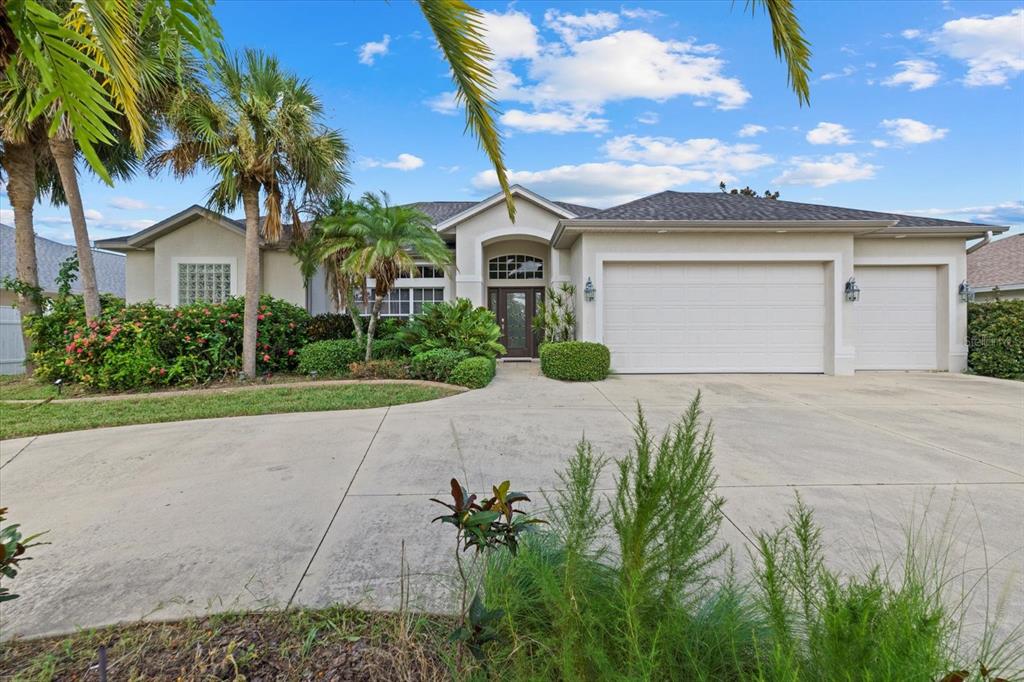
578, 209
440, 211
727, 207
998, 263
50, 255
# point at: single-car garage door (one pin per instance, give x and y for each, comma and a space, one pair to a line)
894, 322
715, 317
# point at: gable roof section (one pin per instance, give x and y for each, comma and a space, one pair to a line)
998, 264
50, 255
147, 236
558, 208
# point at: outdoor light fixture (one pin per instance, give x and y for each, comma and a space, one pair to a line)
589, 291
59, 383
966, 292
852, 290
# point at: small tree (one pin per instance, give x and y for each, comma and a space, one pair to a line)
556, 318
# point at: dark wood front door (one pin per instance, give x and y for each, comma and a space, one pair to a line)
515, 309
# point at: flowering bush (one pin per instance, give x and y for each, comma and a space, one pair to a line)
143, 344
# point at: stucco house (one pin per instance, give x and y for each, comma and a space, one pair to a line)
996, 269
49, 257
671, 282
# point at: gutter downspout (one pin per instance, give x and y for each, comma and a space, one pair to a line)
985, 240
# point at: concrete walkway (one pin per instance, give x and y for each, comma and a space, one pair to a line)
169, 519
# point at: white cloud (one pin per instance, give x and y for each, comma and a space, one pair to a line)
633, 64
510, 35
601, 184
911, 33
571, 27
751, 129
128, 204
830, 133
648, 118
993, 47
879, 144
444, 103
918, 74
825, 170
93, 214
1004, 213
909, 131
404, 162
641, 13
369, 52
554, 122
707, 153
844, 73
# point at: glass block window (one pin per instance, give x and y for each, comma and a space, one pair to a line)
207, 282
402, 302
516, 267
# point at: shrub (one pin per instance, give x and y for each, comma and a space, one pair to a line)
389, 349
388, 327
437, 364
474, 372
995, 336
143, 344
379, 369
556, 316
455, 326
575, 360
329, 327
329, 357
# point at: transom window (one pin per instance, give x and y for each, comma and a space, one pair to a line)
403, 302
517, 266
425, 272
206, 282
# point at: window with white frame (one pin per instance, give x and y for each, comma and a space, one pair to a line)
206, 282
425, 272
403, 301
516, 266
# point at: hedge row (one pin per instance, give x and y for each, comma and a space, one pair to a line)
575, 360
995, 339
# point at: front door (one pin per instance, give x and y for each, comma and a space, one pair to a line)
515, 309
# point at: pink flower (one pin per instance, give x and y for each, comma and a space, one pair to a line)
223, 321
266, 358
291, 351
259, 317
69, 361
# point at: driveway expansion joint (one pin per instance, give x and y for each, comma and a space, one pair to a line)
23, 449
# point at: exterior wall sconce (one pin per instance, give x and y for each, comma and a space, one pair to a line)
852, 290
966, 292
589, 291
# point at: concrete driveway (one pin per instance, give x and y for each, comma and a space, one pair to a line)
169, 519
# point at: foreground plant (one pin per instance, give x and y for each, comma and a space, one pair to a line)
12, 552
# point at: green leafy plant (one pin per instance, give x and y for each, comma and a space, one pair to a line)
475, 372
437, 364
330, 327
379, 369
329, 357
575, 360
455, 326
556, 317
12, 552
995, 338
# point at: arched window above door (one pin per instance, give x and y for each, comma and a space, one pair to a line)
515, 266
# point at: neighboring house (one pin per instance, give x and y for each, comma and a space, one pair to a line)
49, 257
677, 281
996, 270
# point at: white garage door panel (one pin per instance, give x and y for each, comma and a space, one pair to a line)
715, 317
895, 318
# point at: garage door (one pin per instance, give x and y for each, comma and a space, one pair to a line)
715, 317
894, 322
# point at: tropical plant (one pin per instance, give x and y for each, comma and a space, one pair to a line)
260, 132
457, 326
556, 316
385, 242
12, 552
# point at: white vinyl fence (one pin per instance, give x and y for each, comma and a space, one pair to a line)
12, 350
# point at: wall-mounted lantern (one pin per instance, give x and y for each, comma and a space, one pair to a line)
966, 292
852, 290
589, 291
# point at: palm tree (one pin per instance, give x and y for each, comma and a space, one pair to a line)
327, 244
260, 133
394, 237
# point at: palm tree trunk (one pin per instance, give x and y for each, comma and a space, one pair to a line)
19, 162
62, 147
251, 205
353, 313
378, 301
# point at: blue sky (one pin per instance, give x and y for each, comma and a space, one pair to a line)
916, 107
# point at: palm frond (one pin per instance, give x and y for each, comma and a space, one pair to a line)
789, 43
458, 30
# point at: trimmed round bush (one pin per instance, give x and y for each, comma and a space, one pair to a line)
437, 364
995, 338
330, 357
575, 360
474, 372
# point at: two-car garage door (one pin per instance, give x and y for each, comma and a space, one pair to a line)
715, 317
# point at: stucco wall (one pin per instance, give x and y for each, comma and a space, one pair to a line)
139, 276
281, 278
1002, 295
199, 239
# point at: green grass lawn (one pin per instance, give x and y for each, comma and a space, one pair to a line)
34, 419
20, 387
